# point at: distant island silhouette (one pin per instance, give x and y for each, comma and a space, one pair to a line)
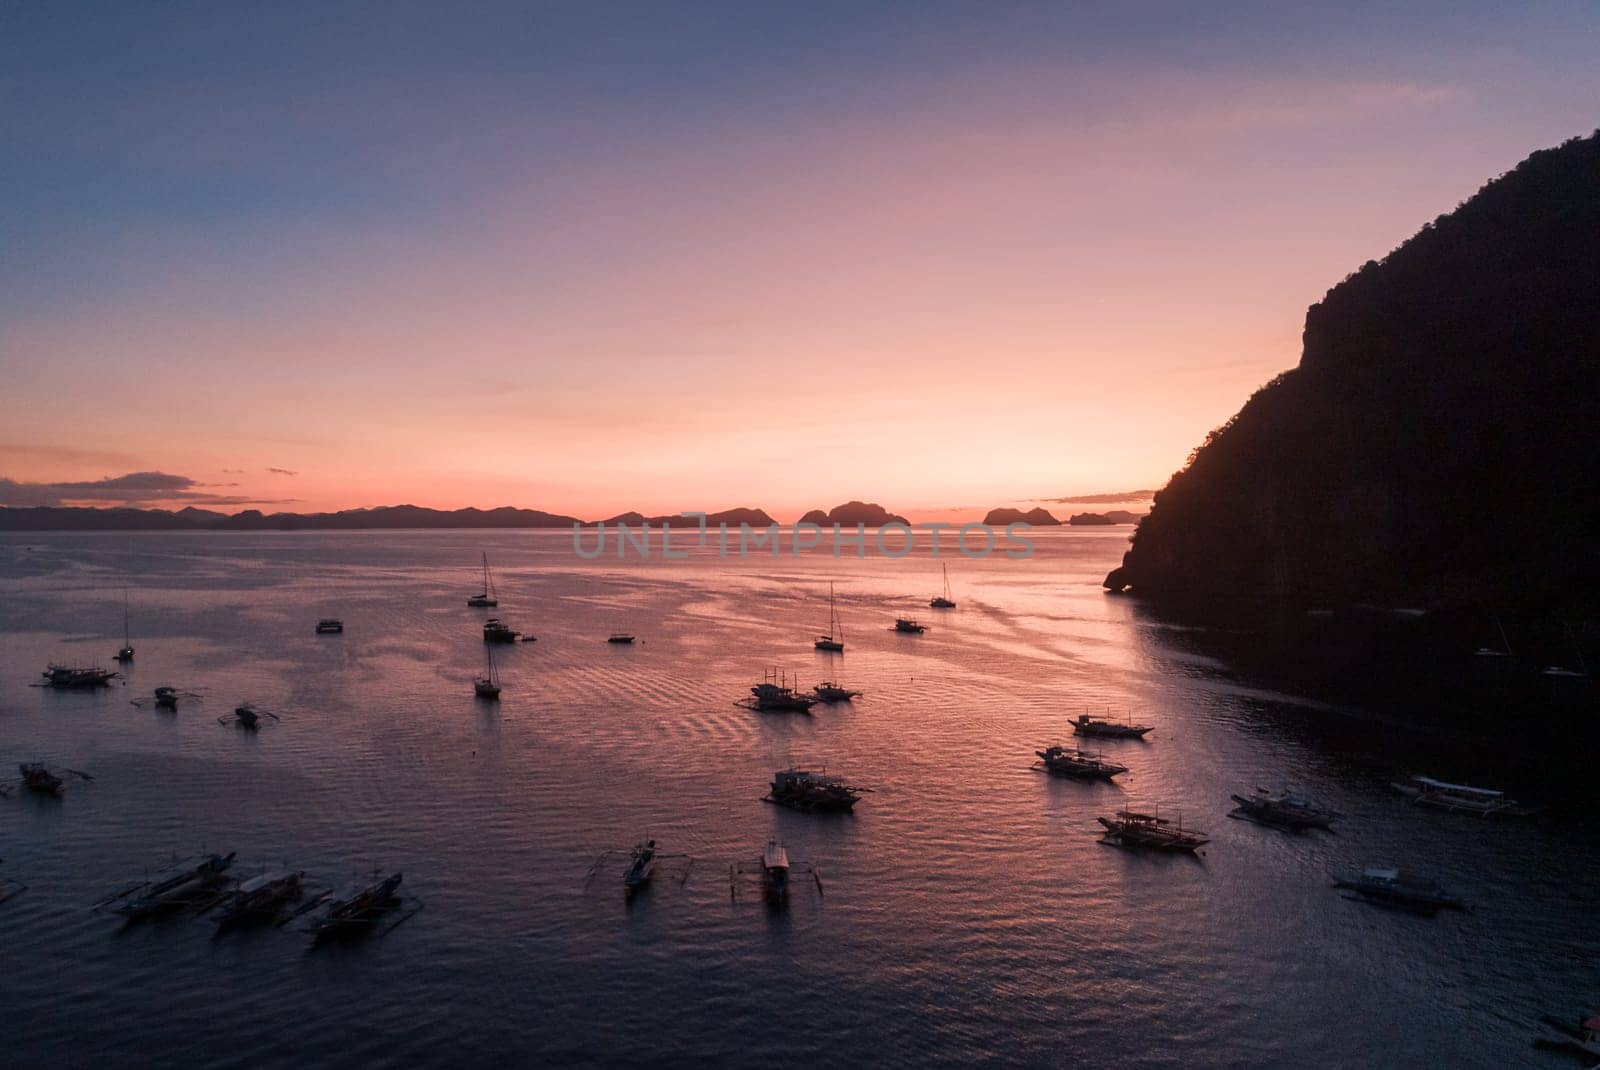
1039, 518
1436, 442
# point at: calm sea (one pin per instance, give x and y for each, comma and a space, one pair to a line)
965, 912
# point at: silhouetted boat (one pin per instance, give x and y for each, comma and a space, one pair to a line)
167, 698
1501, 651
1283, 810
66, 676
775, 870
179, 890
1461, 798
1086, 725
1564, 672
1580, 1037
39, 780
361, 908
487, 599
495, 631
247, 717
1148, 832
833, 640
827, 691
487, 685
261, 898
641, 866
125, 655
1076, 763
815, 792
1392, 887
774, 695
943, 601
620, 638
909, 626
330, 626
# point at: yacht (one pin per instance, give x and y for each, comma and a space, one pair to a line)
486, 599
1063, 761
833, 640
909, 626
1086, 725
943, 601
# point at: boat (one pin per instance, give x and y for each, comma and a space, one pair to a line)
1072, 762
71, 677
909, 626
1564, 672
831, 641
799, 789
362, 907
330, 626
620, 638
125, 655
247, 717
179, 890
775, 870
943, 601
1131, 829
828, 691
39, 780
1282, 809
167, 698
1460, 798
774, 695
1086, 725
641, 866
1392, 887
494, 631
261, 898
487, 685
487, 598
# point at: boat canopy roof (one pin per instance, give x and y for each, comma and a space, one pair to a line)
1442, 785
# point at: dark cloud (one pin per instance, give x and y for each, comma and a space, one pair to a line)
1104, 499
65, 455
283, 471
135, 488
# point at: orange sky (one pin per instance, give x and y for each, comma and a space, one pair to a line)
1004, 276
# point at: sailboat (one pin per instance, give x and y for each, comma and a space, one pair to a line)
1579, 671
1501, 651
487, 599
488, 685
126, 653
834, 639
943, 601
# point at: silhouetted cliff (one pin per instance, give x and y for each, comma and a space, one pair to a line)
852, 513
1438, 438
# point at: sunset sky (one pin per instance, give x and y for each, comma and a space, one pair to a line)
595, 257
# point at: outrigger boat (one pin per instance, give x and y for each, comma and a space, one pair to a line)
1582, 1037
487, 685
774, 695
330, 626
39, 780
247, 717
813, 792
1460, 798
828, 691
909, 626
943, 601
775, 870
167, 698
125, 655
487, 599
1391, 887
68, 676
620, 638
1086, 725
1063, 761
833, 640
364, 907
263, 898
181, 890
1130, 829
1282, 810
641, 867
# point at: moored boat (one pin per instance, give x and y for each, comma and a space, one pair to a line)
909, 626
261, 898
832, 641
39, 780
74, 677
1086, 725
799, 789
1282, 810
775, 870
1460, 798
330, 626
1392, 887
179, 890
641, 866
943, 601
774, 695
497, 631
1146, 831
363, 907
828, 691
1065, 761
487, 685
620, 638
167, 698
486, 599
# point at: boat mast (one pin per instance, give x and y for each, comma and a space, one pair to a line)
946, 583
125, 638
